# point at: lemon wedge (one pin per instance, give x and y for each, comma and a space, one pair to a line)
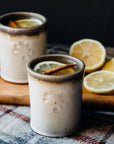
109, 65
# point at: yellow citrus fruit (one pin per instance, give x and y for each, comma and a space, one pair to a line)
101, 82
26, 23
48, 65
90, 51
109, 65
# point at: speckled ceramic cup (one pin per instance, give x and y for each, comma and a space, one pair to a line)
20, 45
55, 101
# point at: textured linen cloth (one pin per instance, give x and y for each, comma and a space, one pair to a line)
97, 126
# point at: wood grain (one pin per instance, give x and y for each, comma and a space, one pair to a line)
11, 93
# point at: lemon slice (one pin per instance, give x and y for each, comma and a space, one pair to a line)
25, 23
100, 82
90, 51
46, 65
109, 65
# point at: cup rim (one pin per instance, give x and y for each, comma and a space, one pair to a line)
21, 31
56, 78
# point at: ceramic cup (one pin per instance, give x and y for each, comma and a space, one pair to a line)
55, 101
20, 45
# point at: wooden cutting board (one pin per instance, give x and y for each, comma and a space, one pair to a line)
11, 93
19, 94
97, 102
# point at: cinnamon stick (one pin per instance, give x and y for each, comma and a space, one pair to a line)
59, 68
12, 24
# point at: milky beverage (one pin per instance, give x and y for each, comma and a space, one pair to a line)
20, 45
55, 100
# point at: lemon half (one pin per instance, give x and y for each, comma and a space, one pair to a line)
90, 51
100, 82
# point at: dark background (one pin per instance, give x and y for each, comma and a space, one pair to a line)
70, 20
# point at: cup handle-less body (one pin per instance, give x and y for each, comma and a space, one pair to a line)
20, 45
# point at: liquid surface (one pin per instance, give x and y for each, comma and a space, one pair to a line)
26, 23
49, 65
64, 71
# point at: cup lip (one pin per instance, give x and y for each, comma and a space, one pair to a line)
56, 78
23, 31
